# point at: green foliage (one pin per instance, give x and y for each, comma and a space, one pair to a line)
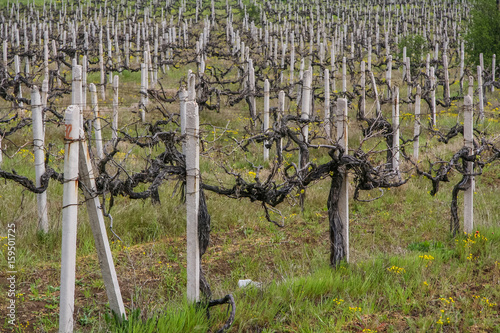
483, 35
416, 47
253, 12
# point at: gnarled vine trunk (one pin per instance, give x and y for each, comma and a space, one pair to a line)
337, 245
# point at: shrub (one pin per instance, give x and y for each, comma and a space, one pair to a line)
416, 47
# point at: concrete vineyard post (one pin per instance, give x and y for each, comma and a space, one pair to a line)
388, 75
342, 140
281, 113
114, 125
468, 142
433, 97
480, 92
362, 105
96, 220
97, 121
306, 102
39, 152
192, 201
251, 86
144, 91
266, 116
446, 80
344, 82
416, 132
69, 219
395, 131
493, 65
377, 100
326, 119
183, 95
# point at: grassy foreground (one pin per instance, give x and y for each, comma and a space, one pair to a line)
406, 274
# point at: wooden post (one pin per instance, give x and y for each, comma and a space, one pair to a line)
416, 132
96, 219
69, 219
468, 142
343, 205
97, 121
480, 92
266, 117
39, 152
395, 131
114, 125
192, 200
327, 116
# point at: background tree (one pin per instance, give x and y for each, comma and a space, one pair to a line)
483, 34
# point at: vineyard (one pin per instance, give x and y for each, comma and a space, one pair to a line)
248, 166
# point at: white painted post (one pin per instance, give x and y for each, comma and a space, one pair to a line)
39, 152
266, 117
96, 219
342, 139
468, 142
69, 219
97, 121
327, 120
480, 92
192, 200
395, 131
114, 124
416, 131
